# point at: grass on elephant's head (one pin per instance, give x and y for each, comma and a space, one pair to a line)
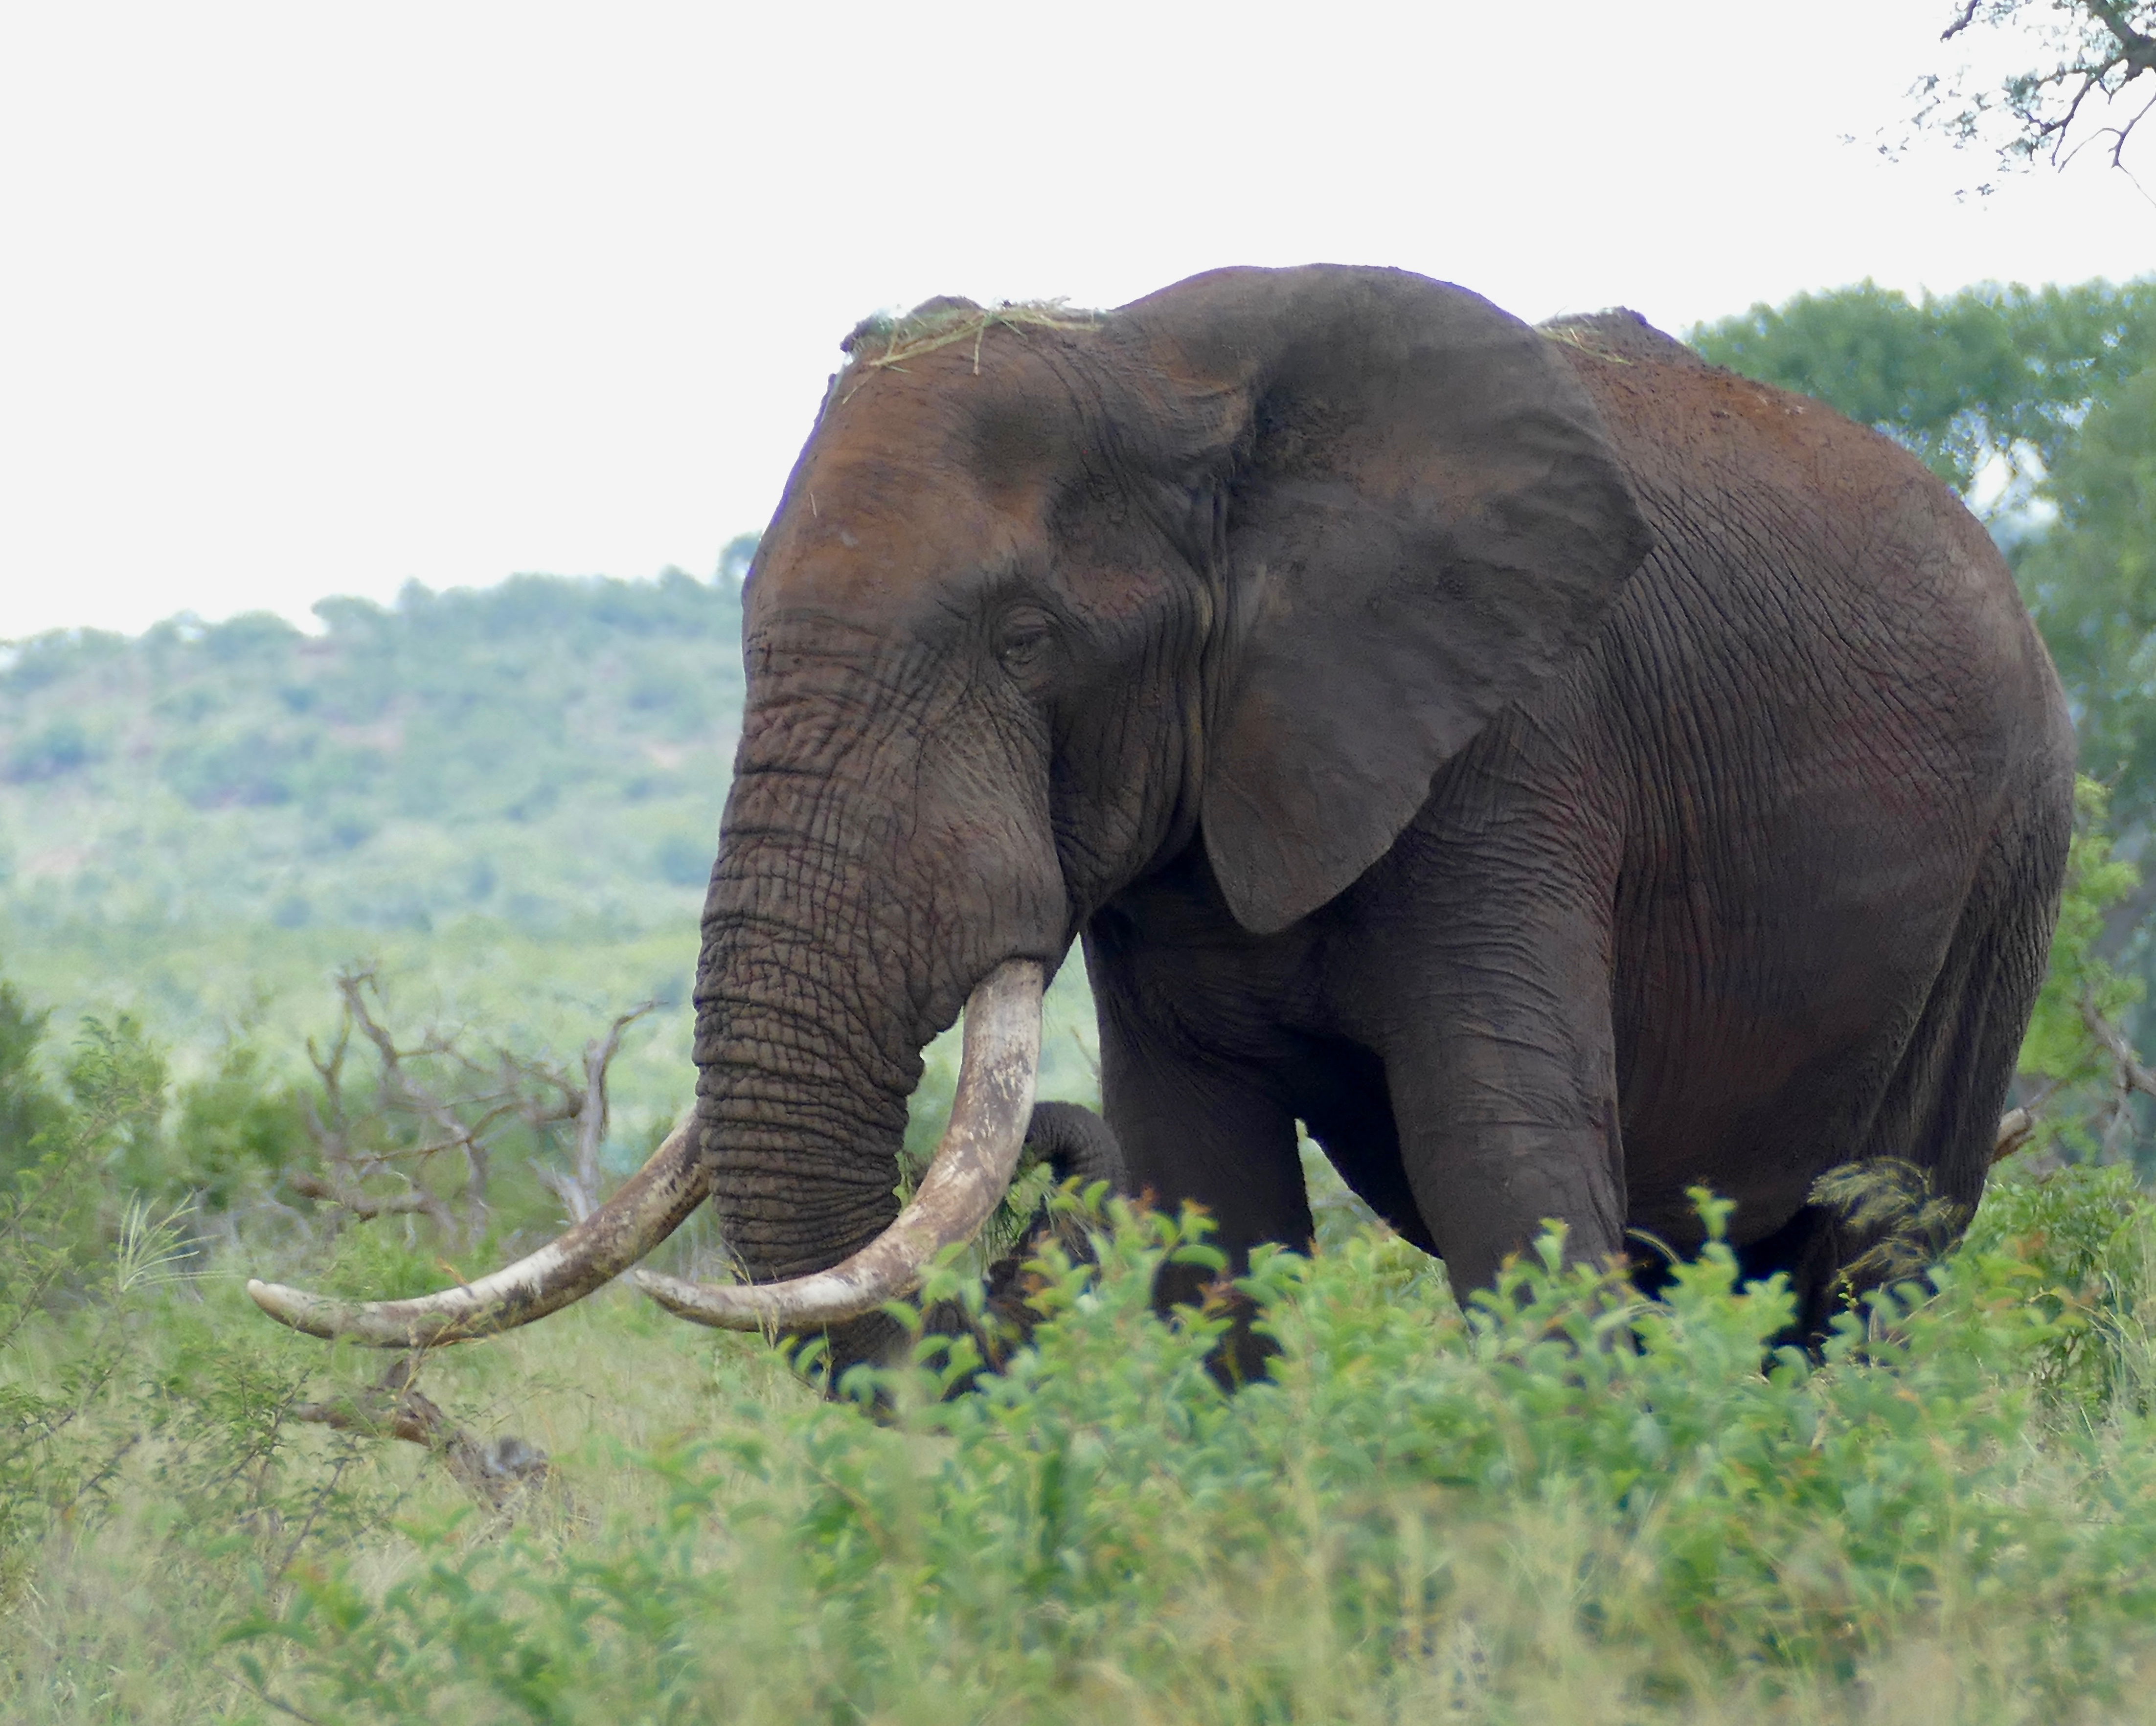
885, 343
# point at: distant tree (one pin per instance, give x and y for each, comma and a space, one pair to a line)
1990, 373
2091, 580
2082, 55
735, 560
28, 1109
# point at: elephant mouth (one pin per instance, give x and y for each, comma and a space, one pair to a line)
967, 1178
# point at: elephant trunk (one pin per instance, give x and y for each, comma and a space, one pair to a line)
971, 1172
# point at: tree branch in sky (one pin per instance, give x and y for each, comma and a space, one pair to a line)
2077, 59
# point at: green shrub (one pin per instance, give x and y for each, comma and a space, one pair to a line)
2087, 1235
63, 747
1565, 1504
238, 1127
2059, 1046
28, 1109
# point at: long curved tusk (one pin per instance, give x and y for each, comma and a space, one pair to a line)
971, 1172
651, 1204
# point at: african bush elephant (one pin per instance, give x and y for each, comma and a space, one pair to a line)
1556, 770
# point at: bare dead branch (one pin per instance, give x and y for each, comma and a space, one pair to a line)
421, 1101
496, 1473
444, 1093
2087, 52
2128, 1076
366, 1207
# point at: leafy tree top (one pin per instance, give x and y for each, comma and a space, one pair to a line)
1990, 373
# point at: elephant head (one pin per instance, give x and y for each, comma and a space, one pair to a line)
1049, 600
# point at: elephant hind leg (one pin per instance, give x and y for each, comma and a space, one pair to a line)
1938, 1115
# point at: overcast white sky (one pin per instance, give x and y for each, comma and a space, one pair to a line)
299, 300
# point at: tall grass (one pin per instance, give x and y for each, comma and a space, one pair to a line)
1563, 1503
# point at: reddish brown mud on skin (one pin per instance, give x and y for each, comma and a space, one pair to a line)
1679, 416
891, 498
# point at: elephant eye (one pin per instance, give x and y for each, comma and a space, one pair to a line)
1024, 640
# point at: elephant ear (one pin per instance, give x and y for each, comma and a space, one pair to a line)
1424, 516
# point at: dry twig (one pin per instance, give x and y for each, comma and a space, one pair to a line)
495, 1473
456, 1101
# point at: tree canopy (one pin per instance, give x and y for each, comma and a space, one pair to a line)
2092, 581
1988, 373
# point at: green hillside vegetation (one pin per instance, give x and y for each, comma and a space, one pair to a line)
198, 821
506, 801
508, 796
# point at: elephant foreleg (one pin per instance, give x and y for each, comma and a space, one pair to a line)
1198, 1129
1502, 1076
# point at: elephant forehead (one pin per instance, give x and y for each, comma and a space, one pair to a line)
913, 483
863, 531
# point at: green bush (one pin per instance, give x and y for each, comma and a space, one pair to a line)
63, 747
2085, 1234
237, 1128
28, 1109
1565, 1504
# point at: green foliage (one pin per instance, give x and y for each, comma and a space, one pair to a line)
2060, 1046
2087, 1235
2091, 583
28, 1109
1989, 372
237, 1128
61, 748
245, 776
2074, 64
511, 796
117, 1066
52, 1281
1563, 1503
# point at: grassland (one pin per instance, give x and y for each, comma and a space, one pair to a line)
1563, 1505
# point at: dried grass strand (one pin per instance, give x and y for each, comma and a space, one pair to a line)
909, 338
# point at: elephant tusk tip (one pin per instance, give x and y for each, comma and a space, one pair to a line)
287, 1306
670, 1293
325, 1316
703, 1303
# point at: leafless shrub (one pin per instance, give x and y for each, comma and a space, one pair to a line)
443, 1095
